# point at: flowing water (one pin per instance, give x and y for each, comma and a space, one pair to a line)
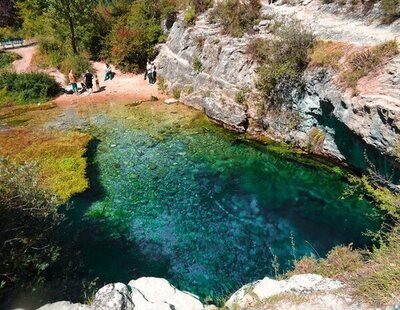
174, 196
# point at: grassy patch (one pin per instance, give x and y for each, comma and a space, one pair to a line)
327, 54
59, 156
368, 60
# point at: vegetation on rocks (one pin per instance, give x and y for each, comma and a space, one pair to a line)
368, 60
236, 16
282, 61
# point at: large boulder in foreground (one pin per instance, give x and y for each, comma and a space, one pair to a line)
141, 294
255, 294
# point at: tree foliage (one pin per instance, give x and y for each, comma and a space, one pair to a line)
8, 13
28, 217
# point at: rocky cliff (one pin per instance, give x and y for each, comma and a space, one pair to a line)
210, 70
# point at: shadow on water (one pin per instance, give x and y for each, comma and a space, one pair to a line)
357, 153
101, 255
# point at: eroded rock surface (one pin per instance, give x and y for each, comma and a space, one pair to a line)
210, 69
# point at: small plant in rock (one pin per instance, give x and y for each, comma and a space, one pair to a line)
391, 8
189, 16
176, 93
241, 96
189, 90
162, 87
200, 41
316, 138
197, 65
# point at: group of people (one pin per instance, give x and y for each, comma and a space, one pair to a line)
87, 79
151, 72
86, 82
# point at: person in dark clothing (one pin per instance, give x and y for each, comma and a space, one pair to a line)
89, 81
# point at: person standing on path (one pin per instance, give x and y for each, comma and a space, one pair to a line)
72, 81
89, 82
108, 75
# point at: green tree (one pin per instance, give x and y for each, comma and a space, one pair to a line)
72, 13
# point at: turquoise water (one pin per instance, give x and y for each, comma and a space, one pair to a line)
210, 212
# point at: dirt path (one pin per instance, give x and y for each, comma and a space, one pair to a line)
124, 87
329, 26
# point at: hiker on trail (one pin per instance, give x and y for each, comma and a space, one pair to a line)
97, 83
89, 81
147, 71
72, 81
109, 74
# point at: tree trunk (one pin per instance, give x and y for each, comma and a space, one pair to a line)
71, 27
73, 39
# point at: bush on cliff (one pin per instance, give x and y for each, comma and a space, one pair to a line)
236, 16
283, 60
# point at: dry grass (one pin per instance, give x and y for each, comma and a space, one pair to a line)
367, 61
328, 54
58, 154
340, 261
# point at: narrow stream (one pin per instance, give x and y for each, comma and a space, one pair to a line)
174, 196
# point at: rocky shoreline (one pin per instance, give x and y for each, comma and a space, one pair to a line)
159, 294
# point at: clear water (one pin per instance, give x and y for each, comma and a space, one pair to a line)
174, 196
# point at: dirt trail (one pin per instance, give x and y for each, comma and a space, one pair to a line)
329, 26
124, 87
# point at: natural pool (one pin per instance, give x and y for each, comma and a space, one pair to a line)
175, 196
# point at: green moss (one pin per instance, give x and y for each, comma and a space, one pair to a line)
60, 156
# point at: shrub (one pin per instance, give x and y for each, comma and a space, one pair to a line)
190, 16
197, 65
368, 60
29, 87
391, 8
236, 16
28, 218
283, 61
6, 59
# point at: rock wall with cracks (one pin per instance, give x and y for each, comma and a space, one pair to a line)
210, 68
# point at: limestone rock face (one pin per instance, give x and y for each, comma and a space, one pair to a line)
211, 69
253, 293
